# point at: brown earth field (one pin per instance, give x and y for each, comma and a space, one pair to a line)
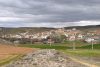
7, 51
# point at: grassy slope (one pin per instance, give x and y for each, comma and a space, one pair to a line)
86, 52
85, 56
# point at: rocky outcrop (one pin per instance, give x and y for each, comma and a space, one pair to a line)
45, 58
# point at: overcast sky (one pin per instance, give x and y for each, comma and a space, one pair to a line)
49, 13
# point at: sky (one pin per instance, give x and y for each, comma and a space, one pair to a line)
49, 13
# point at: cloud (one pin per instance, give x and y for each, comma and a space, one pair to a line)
49, 13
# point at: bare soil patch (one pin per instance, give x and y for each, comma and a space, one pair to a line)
7, 50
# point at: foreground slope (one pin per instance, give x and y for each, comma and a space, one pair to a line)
8, 53
45, 58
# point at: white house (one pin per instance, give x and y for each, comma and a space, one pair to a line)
89, 40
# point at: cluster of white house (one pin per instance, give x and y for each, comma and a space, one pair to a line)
71, 35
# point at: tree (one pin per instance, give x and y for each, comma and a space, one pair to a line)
63, 38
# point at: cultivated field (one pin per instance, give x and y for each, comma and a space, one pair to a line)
8, 53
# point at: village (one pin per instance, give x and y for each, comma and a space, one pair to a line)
54, 36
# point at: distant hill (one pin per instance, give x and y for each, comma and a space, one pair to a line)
24, 29
42, 29
84, 28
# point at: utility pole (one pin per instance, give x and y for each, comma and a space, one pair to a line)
74, 45
49, 41
74, 38
92, 44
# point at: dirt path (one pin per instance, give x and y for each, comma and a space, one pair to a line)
82, 62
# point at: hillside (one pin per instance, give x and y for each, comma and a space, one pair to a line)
5, 30
85, 28
23, 29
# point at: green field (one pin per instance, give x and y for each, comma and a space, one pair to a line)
82, 51
96, 46
59, 46
46, 46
